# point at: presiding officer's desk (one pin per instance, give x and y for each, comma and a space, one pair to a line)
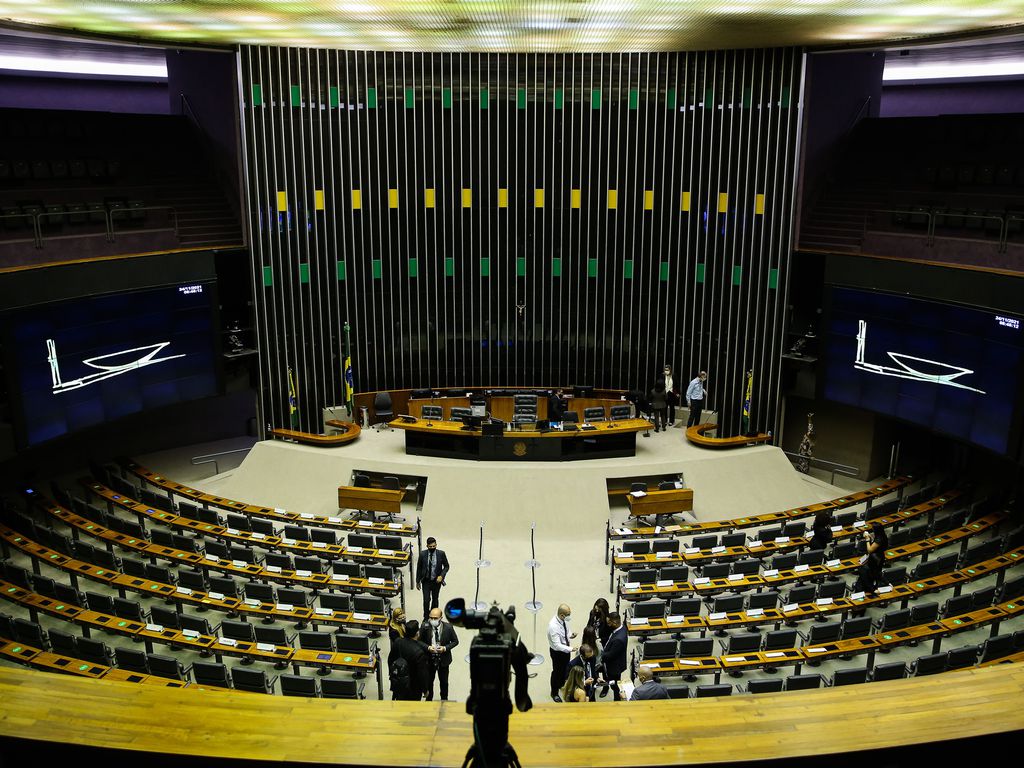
451, 439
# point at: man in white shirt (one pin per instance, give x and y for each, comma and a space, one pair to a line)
695, 394
559, 648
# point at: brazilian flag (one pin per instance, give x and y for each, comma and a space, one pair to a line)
746, 401
293, 400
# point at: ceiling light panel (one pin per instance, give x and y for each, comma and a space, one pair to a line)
526, 25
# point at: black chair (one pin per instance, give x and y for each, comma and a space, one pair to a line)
961, 658
738, 539
637, 547
983, 598
786, 562
238, 522
716, 570
643, 576
895, 670
676, 573
274, 636
131, 660
696, 647
383, 572
660, 649
30, 633
224, 585
94, 651
707, 691
211, 673
317, 641
746, 567
649, 609
805, 593
727, 604
297, 532
459, 413
432, 412
993, 648
195, 624
594, 413
338, 688
803, 682
323, 536
747, 642
685, 606
850, 676
237, 630
765, 685
931, 664
64, 644
252, 680
335, 602
351, 570
794, 528
100, 603
382, 412
163, 617
368, 604
924, 613
704, 542
763, 600
894, 620
832, 589
821, 633
779, 639
856, 627
265, 593
262, 526
296, 685
129, 609
361, 540
161, 573
166, 666
665, 545
133, 567
954, 606
310, 564
811, 557
619, 412
678, 691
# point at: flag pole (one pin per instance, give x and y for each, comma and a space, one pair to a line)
348, 381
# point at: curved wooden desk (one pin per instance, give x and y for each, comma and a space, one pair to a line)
450, 439
349, 433
696, 435
150, 723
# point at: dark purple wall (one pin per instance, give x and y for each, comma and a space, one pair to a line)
837, 86
972, 98
89, 95
209, 80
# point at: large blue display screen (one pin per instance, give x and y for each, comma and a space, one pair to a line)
953, 369
83, 362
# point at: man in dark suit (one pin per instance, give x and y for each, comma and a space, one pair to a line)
556, 406
411, 686
431, 569
439, 637
586, 659
648, 688
614, 656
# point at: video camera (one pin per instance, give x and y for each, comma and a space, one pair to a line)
494, 654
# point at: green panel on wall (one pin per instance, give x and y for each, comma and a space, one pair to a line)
449, 267
332, 96
410, 98
257, 95
414, 267
559, 98
341, 270
664, 271
634, 98
521, 266
376, 268
485, 266
556, 267
446, 98
485, 98
773, 278
670, 98
521, 98
296, 96
591, 267
784, 102
268, 277
627, 269
371, 98
595, 98
737, 275
700, 273
303, 273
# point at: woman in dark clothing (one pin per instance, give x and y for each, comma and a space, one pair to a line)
659, 404
396, 626
599, 620
875, 543
821, 531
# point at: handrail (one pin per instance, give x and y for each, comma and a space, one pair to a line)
36, 237
932, 215
126, 213
210, 458
842, 469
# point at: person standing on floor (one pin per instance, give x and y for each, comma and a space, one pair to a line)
408, 665
659, 407
695, 394
439, 637
671, 395
431, 569
614, 656
559, 648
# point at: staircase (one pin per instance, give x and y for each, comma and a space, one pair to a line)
204, 217
836, 222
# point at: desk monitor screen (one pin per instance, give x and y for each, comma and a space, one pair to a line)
480, 411
583, 391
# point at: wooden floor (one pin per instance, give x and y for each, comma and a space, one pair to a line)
957, 705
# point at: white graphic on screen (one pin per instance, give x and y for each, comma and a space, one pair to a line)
934, 372
108, 369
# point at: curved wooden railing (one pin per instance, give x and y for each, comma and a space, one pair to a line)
233, 726
697, 435
349, 432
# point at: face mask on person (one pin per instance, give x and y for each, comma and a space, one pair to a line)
435, 622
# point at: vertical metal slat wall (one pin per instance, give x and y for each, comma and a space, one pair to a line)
519, 220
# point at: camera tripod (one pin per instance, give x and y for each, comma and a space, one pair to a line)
475, 758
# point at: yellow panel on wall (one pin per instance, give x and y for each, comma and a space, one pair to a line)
502, 197
392, 198
613, 198
429, 197
282, 201
684, 205
576, 198
648, 199
723, 202
467, 198
357, 198
538, 198
759, 203
318, 199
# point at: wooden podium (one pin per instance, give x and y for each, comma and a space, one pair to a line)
370, 499
668, 502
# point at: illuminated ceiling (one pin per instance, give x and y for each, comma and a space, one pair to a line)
520, 25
